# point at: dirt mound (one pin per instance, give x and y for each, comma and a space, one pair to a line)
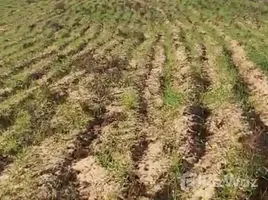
95, 183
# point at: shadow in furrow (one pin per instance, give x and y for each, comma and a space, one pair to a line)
197, 133
138, 149
197, 113
4, 162
164, 194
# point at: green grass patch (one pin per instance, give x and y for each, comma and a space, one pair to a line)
238, 176
113, 162
130, 99
18, 135
69, 117
172, 98
259, 57
176, 174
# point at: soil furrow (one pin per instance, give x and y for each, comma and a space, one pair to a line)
196, 113
255, 118
76, 57
206, 174
225, 126
257, 82
191, 79
64, 47
133, 188
86, 164
154, 163
91, 177
80, 147
176, 127
29, 77
34, 60
105, 152
33, 46
187, 127
52, 52
147, 164
141, 85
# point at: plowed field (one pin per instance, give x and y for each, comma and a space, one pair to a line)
133, 99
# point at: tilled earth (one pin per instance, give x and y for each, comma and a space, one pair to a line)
132, 100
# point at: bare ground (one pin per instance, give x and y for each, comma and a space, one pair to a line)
257, 81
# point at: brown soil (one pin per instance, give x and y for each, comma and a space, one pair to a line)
97, 188
153, 166
214, 130
196, 135
255, 118
138, 149
148, 165
257, 82
196, 114
94, 180
4, 162
49, 175
225, 126
63, 177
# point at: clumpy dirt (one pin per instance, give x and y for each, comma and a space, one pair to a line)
49, 175
196, 135
138, 149
154, 164
94, 180
257, 117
